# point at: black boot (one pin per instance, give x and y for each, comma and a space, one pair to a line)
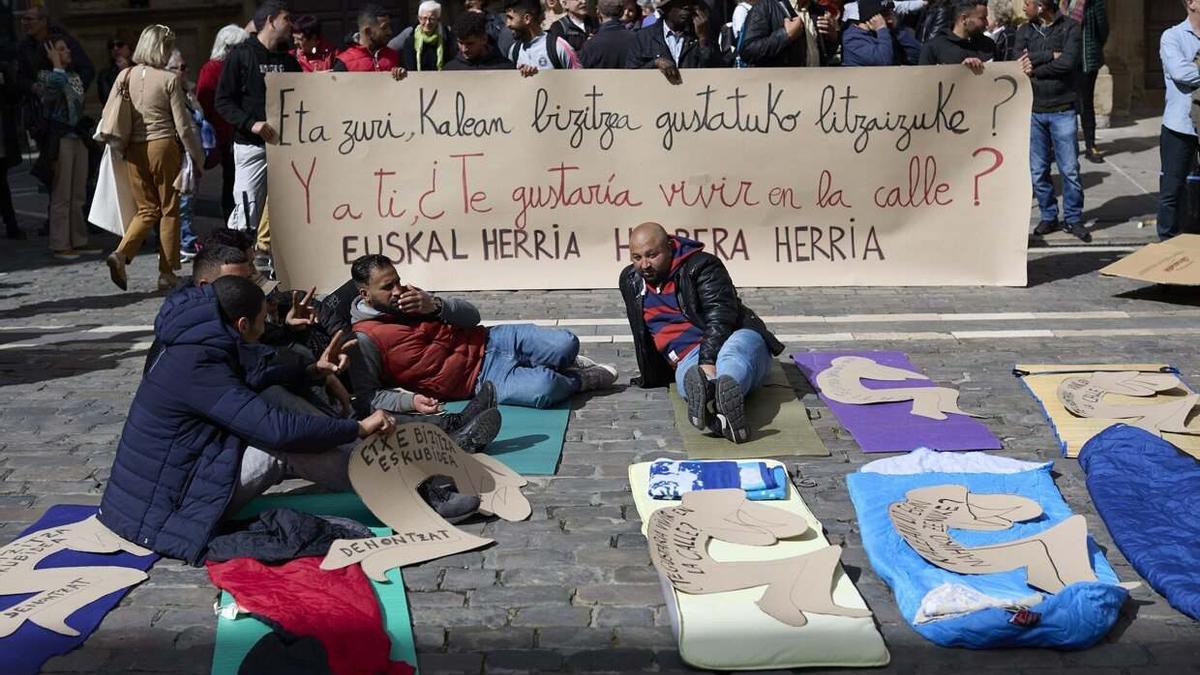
441, 493
484, 400
478, 431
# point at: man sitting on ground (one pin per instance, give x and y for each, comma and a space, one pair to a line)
200, 443
685, 314
435, 348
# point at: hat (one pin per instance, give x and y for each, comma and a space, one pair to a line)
867, 9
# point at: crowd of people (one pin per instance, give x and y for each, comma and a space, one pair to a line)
219, 121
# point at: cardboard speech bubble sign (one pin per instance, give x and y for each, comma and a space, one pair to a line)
1054, 558
1084, 397
679, 537
842, 382
59, 592
385, 472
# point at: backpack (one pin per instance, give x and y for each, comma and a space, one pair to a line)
551, 52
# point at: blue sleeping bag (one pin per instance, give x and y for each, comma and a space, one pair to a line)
1074, 618
1148, 493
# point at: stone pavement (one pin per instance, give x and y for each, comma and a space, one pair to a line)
572, 588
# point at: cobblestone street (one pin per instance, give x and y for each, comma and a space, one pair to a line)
572, 588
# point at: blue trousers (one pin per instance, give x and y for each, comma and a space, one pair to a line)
187, 238
744, 357
1052, 138
526, 364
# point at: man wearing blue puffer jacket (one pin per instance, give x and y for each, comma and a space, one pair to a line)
183, 461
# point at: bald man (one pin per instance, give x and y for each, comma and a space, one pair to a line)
686, 317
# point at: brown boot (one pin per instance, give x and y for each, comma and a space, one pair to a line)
116, 270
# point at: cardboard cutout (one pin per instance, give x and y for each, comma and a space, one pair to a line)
1084, 396
58, 592
842, 382
1055, 558
1173, 261
679, 537
385, 472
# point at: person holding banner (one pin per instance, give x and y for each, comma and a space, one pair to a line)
779, 34
436, 348
686, 316
679, 39
965, 43
429, 45
371, 54
475, 48
1052, 46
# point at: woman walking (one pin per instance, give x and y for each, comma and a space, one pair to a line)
206, 92
160, 121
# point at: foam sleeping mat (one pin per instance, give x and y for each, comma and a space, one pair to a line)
531, 439
728, 631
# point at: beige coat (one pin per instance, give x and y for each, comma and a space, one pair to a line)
160, 109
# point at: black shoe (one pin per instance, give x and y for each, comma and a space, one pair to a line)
484, 400
699, 394
1094, 156
1079, 231
731, 409
443, 497
478, 431
1046, 227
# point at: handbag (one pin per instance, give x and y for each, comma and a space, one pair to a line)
113, 206
116, 121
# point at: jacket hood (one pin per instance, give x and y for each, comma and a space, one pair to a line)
361, 310
191, 316
683, 249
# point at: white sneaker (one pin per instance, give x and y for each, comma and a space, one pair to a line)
597, 376
582, 362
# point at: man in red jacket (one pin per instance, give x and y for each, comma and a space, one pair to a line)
371, 54
434, 349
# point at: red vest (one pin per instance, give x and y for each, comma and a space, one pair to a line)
359, 60
429, 357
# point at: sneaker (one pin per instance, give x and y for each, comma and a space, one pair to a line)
698, 391
167, 281
116, 270
731, 409
443, 497
478, 431
65, 254
598, 376
485, 399
1046, 227
187, 254
1094, 156
1079, 231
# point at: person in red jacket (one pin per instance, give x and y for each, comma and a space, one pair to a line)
314, 53
206, 92
435, 349
371, 54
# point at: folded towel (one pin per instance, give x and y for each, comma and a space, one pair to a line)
672, 479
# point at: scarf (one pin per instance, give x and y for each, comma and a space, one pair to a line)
812, 57
421, 39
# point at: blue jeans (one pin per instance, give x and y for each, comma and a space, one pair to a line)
1178, 155
187, 238
526, 364
744, 357
1053, 135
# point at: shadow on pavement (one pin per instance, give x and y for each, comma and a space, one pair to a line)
1044, 269
1171, 295
58, 360
76, 304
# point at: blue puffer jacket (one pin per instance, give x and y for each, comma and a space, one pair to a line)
179, 455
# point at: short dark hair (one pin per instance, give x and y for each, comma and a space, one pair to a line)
611, 9
307, 26
369, 15
267, 10
238, 298
967, 6
470, 24
364, 265
209, 260
531, 7
223, 236
1051, 5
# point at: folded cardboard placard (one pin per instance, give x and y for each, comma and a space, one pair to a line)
58, 592
679, 538
1054, 558
842, 382
1175, 261
385, 471
1086, 397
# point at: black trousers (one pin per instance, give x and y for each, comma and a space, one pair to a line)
1086, 83
1178, 155
6, 204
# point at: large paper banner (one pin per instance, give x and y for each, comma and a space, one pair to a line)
794, 177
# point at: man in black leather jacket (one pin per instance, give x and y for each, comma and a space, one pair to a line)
686, 316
